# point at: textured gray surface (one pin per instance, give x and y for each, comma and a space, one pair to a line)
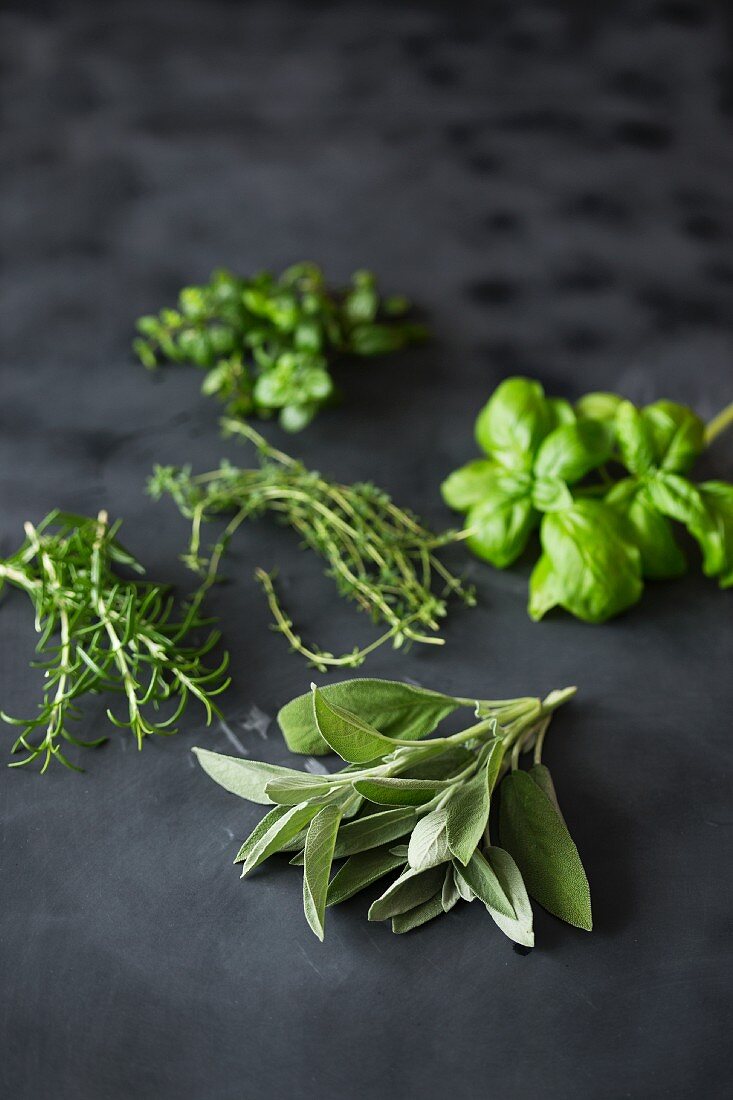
555, 190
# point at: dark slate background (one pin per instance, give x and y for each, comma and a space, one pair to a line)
553, 185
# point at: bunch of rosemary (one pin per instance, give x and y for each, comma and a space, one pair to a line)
267, 342
379, 555
101, 633
418, 807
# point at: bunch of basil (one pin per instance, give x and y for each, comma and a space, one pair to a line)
600, 537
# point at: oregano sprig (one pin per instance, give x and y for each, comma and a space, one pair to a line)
379, 555
417, 805
102, 633
267, 342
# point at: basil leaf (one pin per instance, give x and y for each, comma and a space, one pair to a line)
587, 566
481, 877
428, 845
501, 525
371, 831
573, 450
634, 438
319, 846
421, 914
282, 830
467, 813
598, 406
677, 434
259, 831
652, 533
246, 778
678, 498
395, 709
392, 791
551, 494
535, 835
410, 889
560, 412
353, 739
518, 928
716, 534
360, 871
514, 422
469, 485
299, 788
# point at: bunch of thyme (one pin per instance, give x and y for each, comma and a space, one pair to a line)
267, 342
379, 555
101, 633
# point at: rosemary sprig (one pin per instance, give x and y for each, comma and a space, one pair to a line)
379, 555
266, 342
101, 633
422, 808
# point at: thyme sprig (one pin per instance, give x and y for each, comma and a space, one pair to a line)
420, 806
379, 554
102, 633
267, 342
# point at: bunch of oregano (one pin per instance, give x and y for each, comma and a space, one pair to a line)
267, 342
101, 633
420, 808
379, 555
600, 536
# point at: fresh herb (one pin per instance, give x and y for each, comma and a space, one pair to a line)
418, 807
379, 555
101, 633
267, 342
601, 536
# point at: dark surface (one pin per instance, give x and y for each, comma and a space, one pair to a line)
555, 191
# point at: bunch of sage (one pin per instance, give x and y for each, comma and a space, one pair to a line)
416, 805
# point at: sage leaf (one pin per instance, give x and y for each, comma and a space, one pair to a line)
393, 708
467, 813
421, 914
282, 830
353, 739
246, 778
540, 773
319, 846
536, 837
462, 886
393, 791
297, 788
360, 871
259, 831
482, 879
410, 889
520, 927
428, 845
450, 894
372, 831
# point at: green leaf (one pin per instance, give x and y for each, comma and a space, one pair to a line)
259, 831
462, 886
677, 434
652, 533
551, 494
482, 879
319, 847
410, 889
376, 829
598, 406
587, 567
634, 439
678, 498
421, 914
514, 422
246, 778
467, 813
535, 835
561, 412
573, 450
519, 928
353, 739
395, 709
540, 774
716, 534
450, 895
393, 791
428, 845
298, 788
282, 830
502, 523
469, 485
360, 871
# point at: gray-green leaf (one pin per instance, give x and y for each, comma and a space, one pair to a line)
371, 831
481, 877
353, 739
428, 845
393, 791
410, 889
535, 835
246, 778
319, 846
282, 829
421, 914
259, 831
360, 871
467, 812
297, 788
518, 928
